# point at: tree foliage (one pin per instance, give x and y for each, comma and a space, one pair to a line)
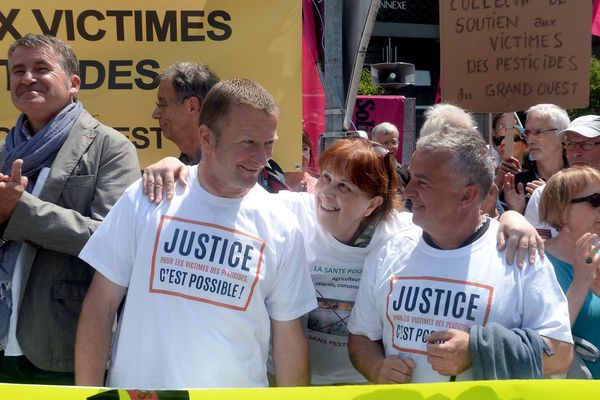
594, 105
366, 87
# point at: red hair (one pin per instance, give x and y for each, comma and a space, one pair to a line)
372, 173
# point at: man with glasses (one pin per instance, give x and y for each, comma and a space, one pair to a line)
542, 126
582, 145
181, 92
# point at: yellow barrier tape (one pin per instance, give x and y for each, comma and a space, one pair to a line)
482, 390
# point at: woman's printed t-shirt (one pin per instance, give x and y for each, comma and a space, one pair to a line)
335, 269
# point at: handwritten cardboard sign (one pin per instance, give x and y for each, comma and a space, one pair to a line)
507, 55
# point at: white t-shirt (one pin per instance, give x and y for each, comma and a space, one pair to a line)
204, 274
335, 269
410, 289
532, 214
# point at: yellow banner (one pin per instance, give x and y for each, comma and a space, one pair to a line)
482, 390
123, 44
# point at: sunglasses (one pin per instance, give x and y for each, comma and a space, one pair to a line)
593, 199
382, 152
586, 349
378, 148
497, 140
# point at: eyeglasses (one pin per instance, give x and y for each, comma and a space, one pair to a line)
537, 132
585, 146
162, 106
497, 140
378, 148
593, 199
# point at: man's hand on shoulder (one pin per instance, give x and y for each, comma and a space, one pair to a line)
158, 179
520, 239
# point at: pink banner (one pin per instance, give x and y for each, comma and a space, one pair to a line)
596, 18
373, 110
313, 95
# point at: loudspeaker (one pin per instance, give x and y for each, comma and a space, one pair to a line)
393, 75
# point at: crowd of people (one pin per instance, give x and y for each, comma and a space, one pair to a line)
357, 269
562, 203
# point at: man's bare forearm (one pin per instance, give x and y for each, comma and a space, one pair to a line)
94, 331
290, 353
366, 356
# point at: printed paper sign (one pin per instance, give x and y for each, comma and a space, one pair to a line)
504, 56
419, 305
205, 262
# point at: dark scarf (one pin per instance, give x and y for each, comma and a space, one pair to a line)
37, 152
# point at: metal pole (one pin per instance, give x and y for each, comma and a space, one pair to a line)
334, 78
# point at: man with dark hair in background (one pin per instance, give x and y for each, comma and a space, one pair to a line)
181, 92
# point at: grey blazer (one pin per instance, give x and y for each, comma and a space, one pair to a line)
91, 171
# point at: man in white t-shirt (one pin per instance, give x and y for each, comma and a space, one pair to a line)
434, 301
582, 147
210, 276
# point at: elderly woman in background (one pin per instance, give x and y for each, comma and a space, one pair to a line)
571, 204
